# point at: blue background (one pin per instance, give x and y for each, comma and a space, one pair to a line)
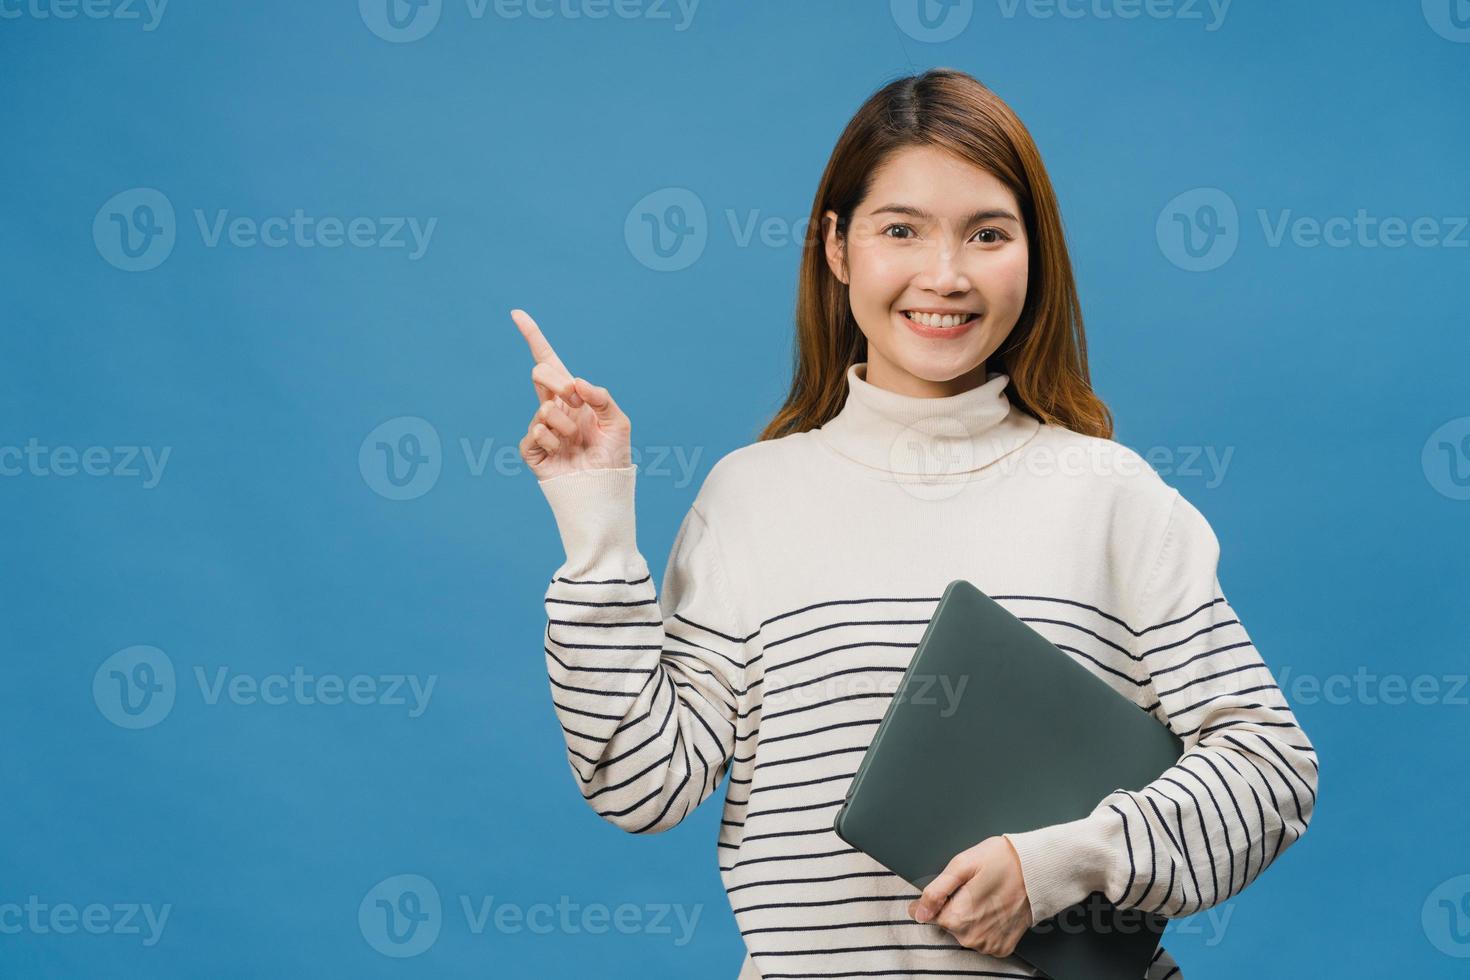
1326, 372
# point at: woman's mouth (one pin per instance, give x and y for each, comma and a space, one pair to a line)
939, 324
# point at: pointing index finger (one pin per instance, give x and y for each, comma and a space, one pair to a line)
540, 347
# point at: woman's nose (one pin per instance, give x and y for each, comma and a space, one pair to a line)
944, 273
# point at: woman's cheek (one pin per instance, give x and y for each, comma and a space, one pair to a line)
882, 268
872, 293
1006, 278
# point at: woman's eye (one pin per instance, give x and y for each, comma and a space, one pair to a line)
894, 227
999, 235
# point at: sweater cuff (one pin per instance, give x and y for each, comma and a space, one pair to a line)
1064, 863
595, 516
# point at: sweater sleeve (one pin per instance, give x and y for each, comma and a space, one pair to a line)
1241, 793
648, 692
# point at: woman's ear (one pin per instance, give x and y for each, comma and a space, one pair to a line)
836, 260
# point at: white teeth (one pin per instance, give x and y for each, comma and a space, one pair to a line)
935, 320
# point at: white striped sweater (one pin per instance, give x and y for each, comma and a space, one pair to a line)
797, 589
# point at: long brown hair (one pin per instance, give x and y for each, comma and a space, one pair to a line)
1045, 354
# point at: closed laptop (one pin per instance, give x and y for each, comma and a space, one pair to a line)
995, 730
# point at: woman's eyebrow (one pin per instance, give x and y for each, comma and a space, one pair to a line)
987, 214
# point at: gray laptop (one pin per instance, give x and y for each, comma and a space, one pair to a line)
1043, 727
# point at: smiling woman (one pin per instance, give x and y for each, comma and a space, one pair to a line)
930, 270
940, 375
936, 200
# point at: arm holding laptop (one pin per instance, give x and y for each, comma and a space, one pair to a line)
1241, 793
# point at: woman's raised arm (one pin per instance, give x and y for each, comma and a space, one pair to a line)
650, 693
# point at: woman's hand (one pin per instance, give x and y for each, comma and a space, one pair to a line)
577, 426
980, 898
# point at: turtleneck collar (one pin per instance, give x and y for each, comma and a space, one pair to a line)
930, 437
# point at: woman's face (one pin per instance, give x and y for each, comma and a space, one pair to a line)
935, 234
